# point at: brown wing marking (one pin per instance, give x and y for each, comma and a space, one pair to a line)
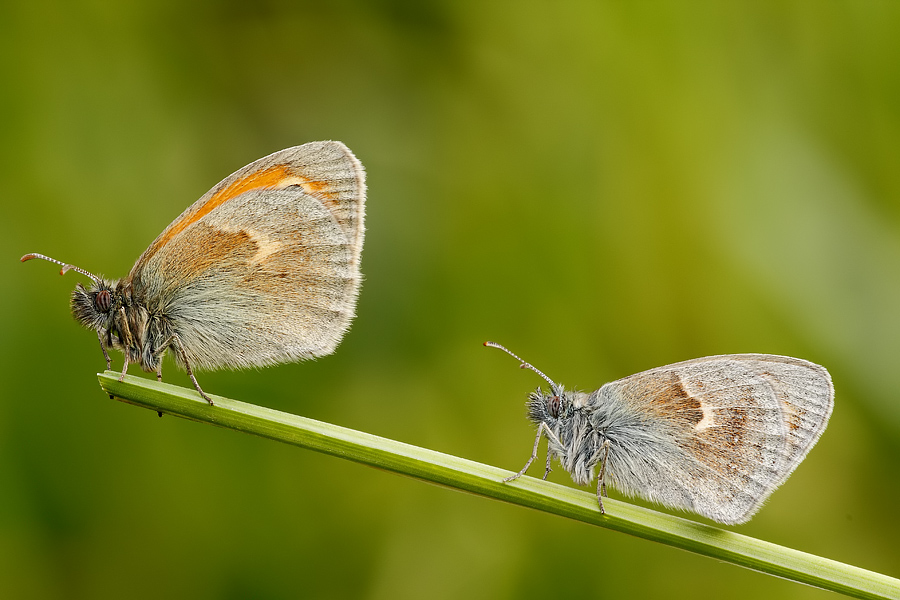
670, 400
277, 177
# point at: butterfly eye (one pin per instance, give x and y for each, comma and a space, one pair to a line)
554, 406
103, 301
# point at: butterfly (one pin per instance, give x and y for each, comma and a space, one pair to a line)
714, 435
263, 269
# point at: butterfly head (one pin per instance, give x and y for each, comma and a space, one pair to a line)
548, 407
95, 307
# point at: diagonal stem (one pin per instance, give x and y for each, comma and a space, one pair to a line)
486, 480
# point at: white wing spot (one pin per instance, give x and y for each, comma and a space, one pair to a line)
265, 246
708, 420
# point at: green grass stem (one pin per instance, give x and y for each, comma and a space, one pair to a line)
485, 480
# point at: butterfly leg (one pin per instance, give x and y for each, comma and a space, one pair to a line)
159, 378
601, 479
542, 430
180, 347
105, 353
125, 336
547, 469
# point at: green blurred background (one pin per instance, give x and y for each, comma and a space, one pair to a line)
603, 187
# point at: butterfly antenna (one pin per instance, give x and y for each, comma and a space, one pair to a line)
525, 365
65, 266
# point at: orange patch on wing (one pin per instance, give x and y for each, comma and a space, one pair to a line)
317, 189
210, 247
314, 186
270, 178
276, 178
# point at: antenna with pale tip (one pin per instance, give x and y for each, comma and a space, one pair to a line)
525, 365
65, 266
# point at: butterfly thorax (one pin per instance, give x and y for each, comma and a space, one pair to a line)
579, 441
122, 322
583, 423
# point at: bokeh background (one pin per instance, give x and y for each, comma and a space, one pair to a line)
604, 187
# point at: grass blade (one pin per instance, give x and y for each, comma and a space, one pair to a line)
485, 480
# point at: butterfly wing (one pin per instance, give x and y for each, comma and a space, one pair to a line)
727, 430
264, 268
